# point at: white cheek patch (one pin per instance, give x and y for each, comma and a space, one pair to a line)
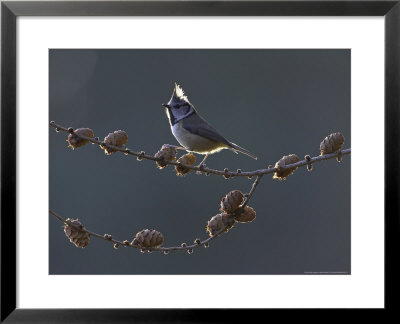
168, 114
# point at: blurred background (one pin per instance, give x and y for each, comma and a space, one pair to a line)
271, 102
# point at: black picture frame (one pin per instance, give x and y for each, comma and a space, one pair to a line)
10, 10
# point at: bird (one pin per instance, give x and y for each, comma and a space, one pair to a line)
192, 131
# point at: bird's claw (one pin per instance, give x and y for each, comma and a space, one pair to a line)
201, 166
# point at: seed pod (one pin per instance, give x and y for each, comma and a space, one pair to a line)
231, 201
78, 236
282, 172
75, 141
148, 238
332, 143
166, 153
248, 215
218, 222
188, 159
118, 138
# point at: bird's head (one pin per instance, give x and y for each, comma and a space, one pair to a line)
178, 106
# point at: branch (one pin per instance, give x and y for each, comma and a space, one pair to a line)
225, 173
184, 246
234, 206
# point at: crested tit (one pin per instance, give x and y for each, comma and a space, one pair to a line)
193, 132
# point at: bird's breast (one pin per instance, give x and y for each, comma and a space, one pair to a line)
193, 142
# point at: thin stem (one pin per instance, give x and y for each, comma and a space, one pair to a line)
161, 249
252, 190
121, 243
226, 174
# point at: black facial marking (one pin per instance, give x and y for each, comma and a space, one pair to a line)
177, 106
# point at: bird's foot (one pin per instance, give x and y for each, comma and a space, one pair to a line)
201, 166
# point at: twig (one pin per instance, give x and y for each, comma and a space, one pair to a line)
308, 161
252, 190
161, 249
225, 173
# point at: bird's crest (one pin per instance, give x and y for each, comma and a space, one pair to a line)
179, 93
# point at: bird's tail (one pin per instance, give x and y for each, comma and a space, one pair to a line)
237, 148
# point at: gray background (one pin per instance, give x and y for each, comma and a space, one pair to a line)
272, 102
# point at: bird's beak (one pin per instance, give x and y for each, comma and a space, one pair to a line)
165, 105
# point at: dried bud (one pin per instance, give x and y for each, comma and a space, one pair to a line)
187, 159
148, 238
226, 176
118, 138
332, 143
231, 201
75, 141
197, 241
309, 164
218, 222
248, 215
107, 236
140, 157
283, 172
78, 236
116, 246
183, 245
166, 153
339, 157
190, 251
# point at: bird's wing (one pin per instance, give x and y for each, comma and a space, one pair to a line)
197, 125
